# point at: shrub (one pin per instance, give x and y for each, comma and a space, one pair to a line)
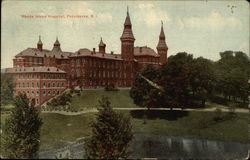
111, 88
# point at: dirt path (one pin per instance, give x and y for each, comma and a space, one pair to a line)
238, 110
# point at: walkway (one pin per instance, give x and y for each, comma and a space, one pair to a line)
94, 110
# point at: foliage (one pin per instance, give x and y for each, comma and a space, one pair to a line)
190, 82
111, 134
7, 85
111, 88
62, 100
232, 74
142, 93
22, 130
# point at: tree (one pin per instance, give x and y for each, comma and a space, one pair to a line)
232, 73
7, 86
142, 92
111, 134
22, 130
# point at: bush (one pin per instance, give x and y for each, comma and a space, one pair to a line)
111, 88
218, 115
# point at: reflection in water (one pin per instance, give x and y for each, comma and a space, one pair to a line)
156, 146
163, 147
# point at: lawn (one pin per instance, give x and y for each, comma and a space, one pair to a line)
89, 99
60, 130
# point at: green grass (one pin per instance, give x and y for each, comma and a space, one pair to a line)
89, 99
60, 130
194, 124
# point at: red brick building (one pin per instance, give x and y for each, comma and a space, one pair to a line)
43, 74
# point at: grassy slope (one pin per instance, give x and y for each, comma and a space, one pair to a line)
60, 130
89, 98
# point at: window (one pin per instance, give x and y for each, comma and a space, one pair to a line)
48, 84
78, 62
62, 84
58, 92
23, 85
44, 93
54, 85
58, 84
78, 73
37, 93
44, 85
49, 93
37, 84
33, 85
28, 85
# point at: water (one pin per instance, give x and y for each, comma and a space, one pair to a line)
162, 147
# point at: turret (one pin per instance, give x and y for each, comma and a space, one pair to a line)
56, 45
40, 44
162, 47
127, 40
102, 46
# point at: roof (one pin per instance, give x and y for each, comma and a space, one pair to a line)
162, 42
87, 52
101, 43
34, 70
34, 52
127, 32
145, 51
39, 42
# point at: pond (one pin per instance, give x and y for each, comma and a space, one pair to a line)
162, 147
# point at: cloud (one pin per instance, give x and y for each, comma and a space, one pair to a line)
151, 15
214, 21
148, 5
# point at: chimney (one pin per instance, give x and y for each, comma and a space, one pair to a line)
112, 52
140, 49
94, 50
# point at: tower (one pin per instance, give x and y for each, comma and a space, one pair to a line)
162, 47
127, 40
56, 45
102, 46
40, 44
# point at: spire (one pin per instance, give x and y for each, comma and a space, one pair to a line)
162, 35
56, 45
101, 43
39, 41
127, 32
162, 43
162, 47
102, 46
40, 44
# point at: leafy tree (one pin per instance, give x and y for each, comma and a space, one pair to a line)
111, 134
22, 130
142, 92
232, 74
7, 85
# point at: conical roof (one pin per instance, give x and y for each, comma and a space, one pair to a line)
127, 32
162, 42
101, 43
56, 47
57, 42
39, 41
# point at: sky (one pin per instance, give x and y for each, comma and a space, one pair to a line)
202, 28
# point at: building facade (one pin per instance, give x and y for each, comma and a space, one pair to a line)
42, 74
